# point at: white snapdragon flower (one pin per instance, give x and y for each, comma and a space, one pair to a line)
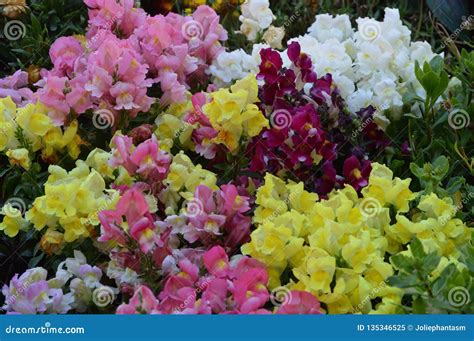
256, 16
249, 28
328, 27
421, 51
331, 57
273, 36
361, 98
231, 66
371, 58
386, 94
393, 30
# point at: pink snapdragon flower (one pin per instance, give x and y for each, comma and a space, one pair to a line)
216, 262
152, 162
63, 53
300, 302
142, 302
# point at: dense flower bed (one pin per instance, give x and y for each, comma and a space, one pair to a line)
151, 170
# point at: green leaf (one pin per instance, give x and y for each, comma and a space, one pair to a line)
402, 262
419, 305
430, 82
417, 249
437, 64
416, 170
455, 184
441, 166
35, 260
440, 283
404, 280
430, 263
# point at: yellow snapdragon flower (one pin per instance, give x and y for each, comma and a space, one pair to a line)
72, 200
338, 248
233, 114
12, 221
19, 157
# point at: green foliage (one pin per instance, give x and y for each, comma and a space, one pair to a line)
429, 291
431, 177
434, 80
45, 21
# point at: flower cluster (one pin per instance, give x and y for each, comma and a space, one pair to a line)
30, 129
219, 122
256, 16
237, 286
373, 65
307, 124
336, 248
16, 87
124, 53
75, 287
231, 66
69, 209
252, 181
